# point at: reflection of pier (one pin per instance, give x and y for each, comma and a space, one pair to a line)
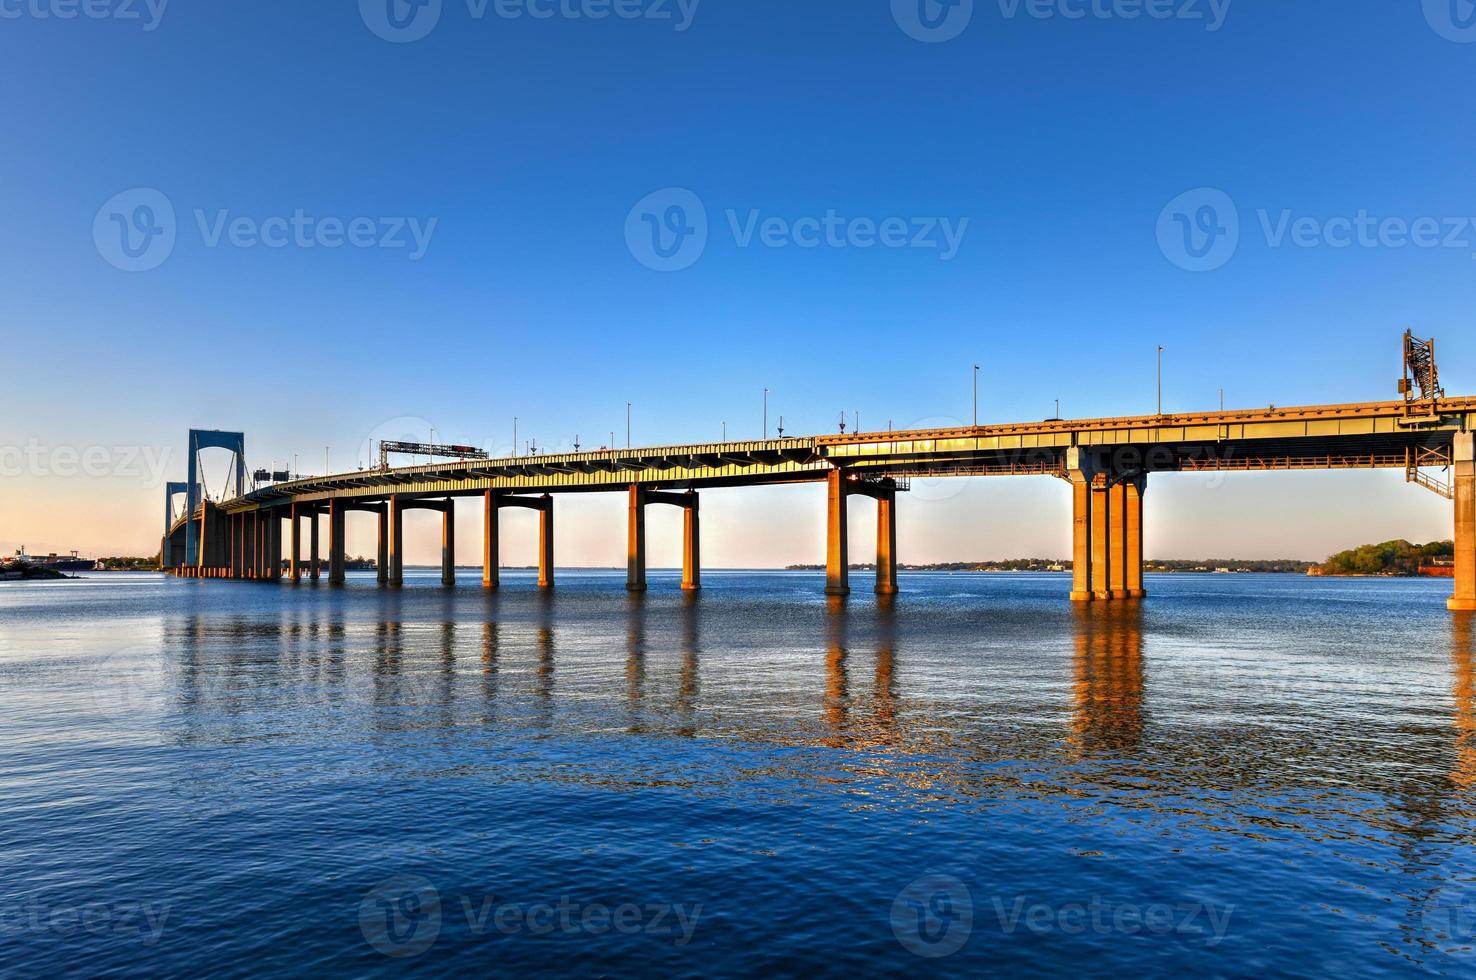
1108, 687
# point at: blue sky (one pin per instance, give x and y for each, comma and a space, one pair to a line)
522, 144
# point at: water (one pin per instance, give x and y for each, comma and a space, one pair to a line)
1245, 774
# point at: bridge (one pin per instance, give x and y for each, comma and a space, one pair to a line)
1107, 462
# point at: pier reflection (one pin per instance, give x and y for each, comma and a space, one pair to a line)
1107, 690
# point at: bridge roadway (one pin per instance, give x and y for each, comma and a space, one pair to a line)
1107, 461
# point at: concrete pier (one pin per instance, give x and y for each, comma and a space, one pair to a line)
395, 572
837, 561
635, 551
336, 543
295, 560
1081, 533
1463, 483
491, 542
839, 488
315, 563
1135, 489
448, 544
381, 551
1101, 540
1117, 540
635, 568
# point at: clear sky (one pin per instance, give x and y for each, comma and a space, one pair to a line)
292, 219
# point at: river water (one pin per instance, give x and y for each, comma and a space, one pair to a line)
1240, 775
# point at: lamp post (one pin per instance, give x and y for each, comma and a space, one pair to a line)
976, 396
1160, 379
515, 436
766, 414
627, 425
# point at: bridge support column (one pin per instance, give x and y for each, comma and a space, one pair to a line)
546, 543
236, 524
1117, 504
886, 543
1135, 489
336, 574
1463, 481
491, 543
837, 562
691, 544
448, 544
296, 547
1081, 534
381, 554
396, 542
1101, 541
635, 551
315, 563
274, 529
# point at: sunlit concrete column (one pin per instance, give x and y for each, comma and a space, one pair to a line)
1101, 543
381, 554
248, 545
275, 523
235, 546
258, 545
837, 564
315, 563
1081, 535
1134, 557
546, 543
1117, 540
396, 542
296, 547
691, 544
635, 549
491, 544
448, 544
336, 542
886, 543
1463, 480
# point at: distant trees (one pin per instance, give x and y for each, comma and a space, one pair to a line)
1389, 558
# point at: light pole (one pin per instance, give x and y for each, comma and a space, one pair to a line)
327, 467
515, 435
1160, 379
725, 432
766, 414
976, 396
627, 425
1222, 399
430, 457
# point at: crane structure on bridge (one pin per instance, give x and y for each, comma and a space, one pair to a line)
389, 446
